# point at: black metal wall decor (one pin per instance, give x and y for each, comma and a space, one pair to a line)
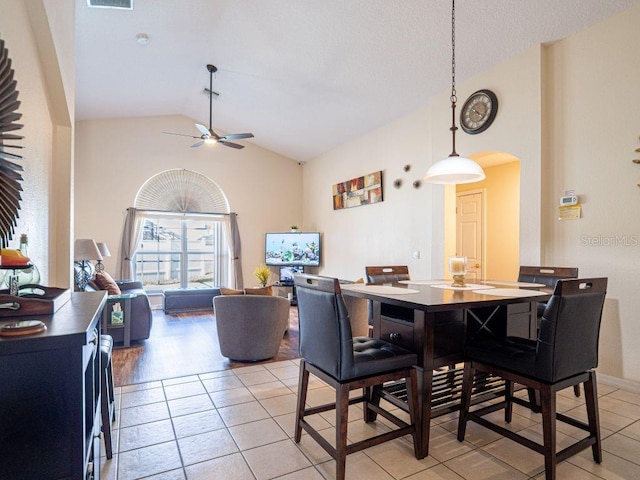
10, 176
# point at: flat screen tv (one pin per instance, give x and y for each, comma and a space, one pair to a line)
286, 273
293, 248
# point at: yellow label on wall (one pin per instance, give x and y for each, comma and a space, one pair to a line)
570, 212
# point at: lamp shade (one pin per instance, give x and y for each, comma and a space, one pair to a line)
454, 169
85, 249
104, 250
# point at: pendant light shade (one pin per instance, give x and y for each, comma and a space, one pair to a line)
455, 169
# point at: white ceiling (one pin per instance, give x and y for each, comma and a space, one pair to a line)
303, 75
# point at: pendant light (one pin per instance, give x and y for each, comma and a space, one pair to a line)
454, 168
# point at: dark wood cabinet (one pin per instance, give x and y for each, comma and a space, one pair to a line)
50, 395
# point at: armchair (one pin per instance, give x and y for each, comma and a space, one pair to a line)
250, 327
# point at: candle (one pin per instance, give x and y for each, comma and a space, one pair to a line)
458, 265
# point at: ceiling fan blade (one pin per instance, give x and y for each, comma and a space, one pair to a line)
204, 130
198, 144
236, 136
230, 144
180, 135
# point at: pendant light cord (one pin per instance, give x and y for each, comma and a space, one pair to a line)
453, 97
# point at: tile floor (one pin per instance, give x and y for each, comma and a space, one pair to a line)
238, 425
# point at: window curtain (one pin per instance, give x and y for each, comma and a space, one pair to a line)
131, 236
235, 247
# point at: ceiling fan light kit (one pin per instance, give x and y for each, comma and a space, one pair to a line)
208, 136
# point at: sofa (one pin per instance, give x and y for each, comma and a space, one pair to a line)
250, 327
141, 315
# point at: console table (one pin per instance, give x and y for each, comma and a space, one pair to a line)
50, 395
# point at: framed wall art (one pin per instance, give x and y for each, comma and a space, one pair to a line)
358, 191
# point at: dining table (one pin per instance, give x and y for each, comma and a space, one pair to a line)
434, 321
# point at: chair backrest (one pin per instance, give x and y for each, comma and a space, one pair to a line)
570, 329
388, 274
325, 330
546, 275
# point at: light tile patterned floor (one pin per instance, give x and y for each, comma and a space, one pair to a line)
238, 425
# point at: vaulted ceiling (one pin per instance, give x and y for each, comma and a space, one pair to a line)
303, 75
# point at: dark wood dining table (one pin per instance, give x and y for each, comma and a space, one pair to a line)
442, 317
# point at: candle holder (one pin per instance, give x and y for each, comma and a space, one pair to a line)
458, 270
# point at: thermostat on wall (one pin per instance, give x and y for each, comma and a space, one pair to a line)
568, 200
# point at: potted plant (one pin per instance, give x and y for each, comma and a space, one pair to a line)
262, 273
294, 228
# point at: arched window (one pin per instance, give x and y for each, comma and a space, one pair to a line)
185, 241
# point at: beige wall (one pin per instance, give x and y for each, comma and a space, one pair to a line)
383, 233
593, 110
115, 157
409, 219
582, 137
502, 215
27, 32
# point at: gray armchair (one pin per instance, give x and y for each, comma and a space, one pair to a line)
250, 327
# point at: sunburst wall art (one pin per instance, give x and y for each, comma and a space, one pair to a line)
10, 176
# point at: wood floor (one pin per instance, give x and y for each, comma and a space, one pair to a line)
185, 344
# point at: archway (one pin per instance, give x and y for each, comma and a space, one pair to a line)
500, 217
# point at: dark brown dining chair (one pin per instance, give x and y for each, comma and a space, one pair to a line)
330, 352
548, 276
565, 354
379, 275
386, 274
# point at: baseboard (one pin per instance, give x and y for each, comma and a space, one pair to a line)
628, 385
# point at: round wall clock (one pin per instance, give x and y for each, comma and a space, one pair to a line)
479, 111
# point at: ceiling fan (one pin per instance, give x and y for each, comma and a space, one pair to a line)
208, 135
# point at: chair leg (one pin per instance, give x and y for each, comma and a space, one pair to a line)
534, 400
465, 399
591, 399
303, 384
112, 392
342, 419
372, 396
508, 396
548, 404
105, 413
576, 390
412, 400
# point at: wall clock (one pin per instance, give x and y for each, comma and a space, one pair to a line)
479, 111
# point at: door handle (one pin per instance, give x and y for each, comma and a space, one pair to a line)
477, 265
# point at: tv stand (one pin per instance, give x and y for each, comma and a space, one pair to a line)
286, 287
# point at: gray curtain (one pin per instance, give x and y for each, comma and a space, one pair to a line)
236, 251
131, 234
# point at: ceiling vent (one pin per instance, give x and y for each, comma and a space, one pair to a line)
122, 4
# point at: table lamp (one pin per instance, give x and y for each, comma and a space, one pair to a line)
104, 251
84, 250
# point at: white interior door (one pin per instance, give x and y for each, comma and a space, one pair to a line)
469, 234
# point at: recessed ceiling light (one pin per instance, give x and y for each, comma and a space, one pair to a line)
142, 39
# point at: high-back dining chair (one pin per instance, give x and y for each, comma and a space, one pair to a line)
346, 363
547, 276
378, 275
386, 274
565, 354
